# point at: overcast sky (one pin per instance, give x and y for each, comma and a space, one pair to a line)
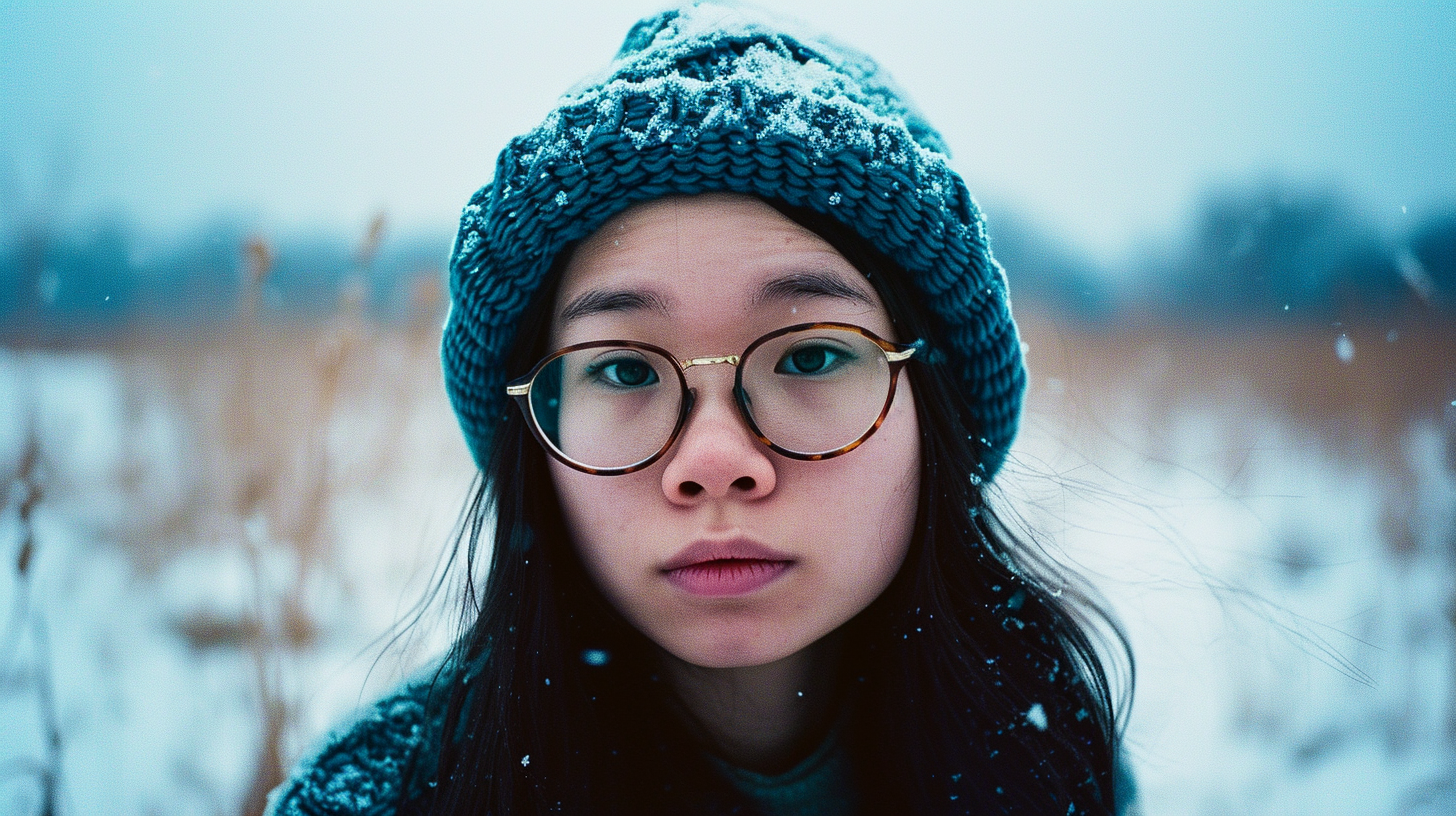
1100, 121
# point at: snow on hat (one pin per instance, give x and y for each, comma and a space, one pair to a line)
712, 97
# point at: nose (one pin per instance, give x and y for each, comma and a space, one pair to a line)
717, 457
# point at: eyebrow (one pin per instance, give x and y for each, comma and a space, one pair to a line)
789, 287
809, 285
599, 301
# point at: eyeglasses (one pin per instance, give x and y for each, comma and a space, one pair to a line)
811, 391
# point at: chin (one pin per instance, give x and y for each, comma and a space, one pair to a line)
732, 650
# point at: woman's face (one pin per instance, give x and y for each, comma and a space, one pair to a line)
706, 276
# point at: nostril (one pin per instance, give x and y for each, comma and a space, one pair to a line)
743, 483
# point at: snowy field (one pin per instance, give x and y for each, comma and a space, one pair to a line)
1281, 557
225, 529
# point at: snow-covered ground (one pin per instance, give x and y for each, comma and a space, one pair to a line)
227, 527
169, 574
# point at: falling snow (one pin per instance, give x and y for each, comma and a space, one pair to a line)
1036, 715
1344, 348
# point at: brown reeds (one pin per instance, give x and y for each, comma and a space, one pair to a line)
1359, 388
26, 494
282, 419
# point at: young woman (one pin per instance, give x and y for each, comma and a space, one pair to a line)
728, 345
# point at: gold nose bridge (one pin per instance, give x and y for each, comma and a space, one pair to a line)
730, 359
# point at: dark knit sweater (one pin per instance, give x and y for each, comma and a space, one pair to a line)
362, 769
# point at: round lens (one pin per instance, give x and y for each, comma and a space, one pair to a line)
817, 390
609, 407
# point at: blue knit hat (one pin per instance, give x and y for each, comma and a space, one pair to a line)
711, 97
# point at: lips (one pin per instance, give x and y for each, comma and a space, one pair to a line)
725, 568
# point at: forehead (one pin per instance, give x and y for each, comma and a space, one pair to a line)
711, 263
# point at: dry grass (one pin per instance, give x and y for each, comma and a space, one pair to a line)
266, 406
277, 421
1398, 373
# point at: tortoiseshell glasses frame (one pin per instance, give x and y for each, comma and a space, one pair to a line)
896, 355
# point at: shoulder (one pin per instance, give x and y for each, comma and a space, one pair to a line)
363, 767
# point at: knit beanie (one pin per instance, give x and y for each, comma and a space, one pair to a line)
712, 97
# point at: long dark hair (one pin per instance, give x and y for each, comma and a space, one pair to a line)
979, 687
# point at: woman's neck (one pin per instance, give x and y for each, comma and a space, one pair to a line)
763, 718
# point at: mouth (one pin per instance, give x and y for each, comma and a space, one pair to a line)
725, 568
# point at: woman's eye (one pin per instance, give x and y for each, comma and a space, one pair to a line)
624, 373
811, 359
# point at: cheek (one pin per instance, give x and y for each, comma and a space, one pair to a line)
897, 476
598, 521
870, 513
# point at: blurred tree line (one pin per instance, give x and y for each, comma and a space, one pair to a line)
59, 286
1258, 253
